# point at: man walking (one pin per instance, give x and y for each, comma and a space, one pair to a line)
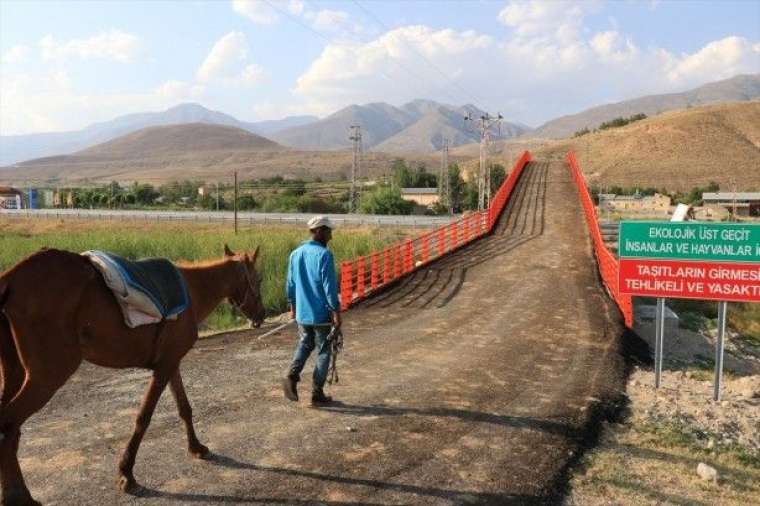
313, 297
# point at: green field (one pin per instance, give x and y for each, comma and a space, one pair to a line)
19, 238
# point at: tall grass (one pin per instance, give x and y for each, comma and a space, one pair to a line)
190, 243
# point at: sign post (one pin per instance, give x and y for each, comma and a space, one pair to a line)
659, 341
690, 260
719, 344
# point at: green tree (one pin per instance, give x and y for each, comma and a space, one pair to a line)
456, 188
498, 174
385, 200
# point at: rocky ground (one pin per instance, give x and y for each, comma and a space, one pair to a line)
672, 439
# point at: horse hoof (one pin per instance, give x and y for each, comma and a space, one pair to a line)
19, 498
201, 452
128, 485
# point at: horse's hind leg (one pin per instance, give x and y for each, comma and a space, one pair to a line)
41, 382
156, 386
194, 446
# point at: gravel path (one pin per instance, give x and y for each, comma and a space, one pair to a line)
473, 381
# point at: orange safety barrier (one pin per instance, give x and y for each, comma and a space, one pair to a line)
346, 288
405, 256
608, 264
408, 256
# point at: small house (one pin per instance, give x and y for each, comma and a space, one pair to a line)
737, 203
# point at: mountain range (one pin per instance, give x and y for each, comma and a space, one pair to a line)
740, 88
419, 126
416, 127
16, 148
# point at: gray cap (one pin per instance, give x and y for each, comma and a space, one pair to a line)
319, 221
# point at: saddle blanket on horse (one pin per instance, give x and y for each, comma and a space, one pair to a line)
147, 291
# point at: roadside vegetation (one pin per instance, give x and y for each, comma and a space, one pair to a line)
187, 243
277, 194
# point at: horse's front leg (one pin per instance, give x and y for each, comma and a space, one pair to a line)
156, 386
194, 446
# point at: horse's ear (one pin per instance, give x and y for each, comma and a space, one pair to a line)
228, 252
255, 255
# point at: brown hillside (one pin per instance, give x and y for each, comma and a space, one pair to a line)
676, 150
207, 166
178, 140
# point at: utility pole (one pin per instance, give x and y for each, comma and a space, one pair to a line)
217, 195
356, 138
443, 177
235, 206
486, 121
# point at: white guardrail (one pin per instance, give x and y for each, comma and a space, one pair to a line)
244, 218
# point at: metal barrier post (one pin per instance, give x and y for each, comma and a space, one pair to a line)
387, 266
360, 282
425, 248
397, 261
441, 241
408, 256
374, 276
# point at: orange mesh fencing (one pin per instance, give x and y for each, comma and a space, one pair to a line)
608, 264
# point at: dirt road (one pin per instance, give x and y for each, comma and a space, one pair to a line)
472, 382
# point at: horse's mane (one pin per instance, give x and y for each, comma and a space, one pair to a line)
201, 264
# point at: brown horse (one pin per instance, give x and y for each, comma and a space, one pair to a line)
55, 311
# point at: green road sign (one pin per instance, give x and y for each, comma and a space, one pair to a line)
689, 241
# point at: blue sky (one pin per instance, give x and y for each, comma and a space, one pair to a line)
64, 65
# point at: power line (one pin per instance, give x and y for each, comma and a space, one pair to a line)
327, 39
467, 94
356, 138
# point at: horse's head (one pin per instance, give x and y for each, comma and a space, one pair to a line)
246, 290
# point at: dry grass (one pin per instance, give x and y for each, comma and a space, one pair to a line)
211, 166
676, 150
643, 464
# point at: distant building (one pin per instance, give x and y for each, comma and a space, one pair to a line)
424, 197
737, 203
204, 191
11, 198
634, 203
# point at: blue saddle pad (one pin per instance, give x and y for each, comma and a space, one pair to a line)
157, 278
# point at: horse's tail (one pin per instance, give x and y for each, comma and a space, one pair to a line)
8, 352
3, 293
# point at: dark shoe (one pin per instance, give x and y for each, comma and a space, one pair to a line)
289, 384
318, 397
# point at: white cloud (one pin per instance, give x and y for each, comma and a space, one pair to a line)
115, 45
717, 60
252, 74
258, 11
541, 17
226, 57
17, 54
539, 73
327, 19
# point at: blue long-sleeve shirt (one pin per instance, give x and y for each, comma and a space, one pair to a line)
311, 283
